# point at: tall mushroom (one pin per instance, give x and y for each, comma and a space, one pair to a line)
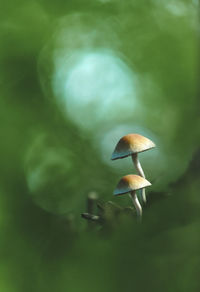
132, 144
129, 184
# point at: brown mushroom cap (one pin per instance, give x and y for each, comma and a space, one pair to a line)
130, 144
130, 183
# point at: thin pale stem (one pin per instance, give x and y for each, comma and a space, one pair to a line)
136, 203
137, 164
140, 171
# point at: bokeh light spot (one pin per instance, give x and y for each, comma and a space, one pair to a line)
94, 87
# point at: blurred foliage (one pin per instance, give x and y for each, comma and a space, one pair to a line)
52, 158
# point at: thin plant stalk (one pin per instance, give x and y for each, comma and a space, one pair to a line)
140, 171
136, 204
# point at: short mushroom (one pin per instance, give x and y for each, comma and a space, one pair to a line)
129, 184
132, 144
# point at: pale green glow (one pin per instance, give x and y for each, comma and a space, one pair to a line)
47, 169
94, 87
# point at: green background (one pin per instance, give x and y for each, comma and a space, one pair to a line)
75, 76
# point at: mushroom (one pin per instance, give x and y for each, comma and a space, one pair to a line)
132, 144
129, 184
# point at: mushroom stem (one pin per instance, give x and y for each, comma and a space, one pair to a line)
136, 203
140, 171
138, 165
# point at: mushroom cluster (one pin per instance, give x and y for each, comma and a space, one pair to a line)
131, 145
